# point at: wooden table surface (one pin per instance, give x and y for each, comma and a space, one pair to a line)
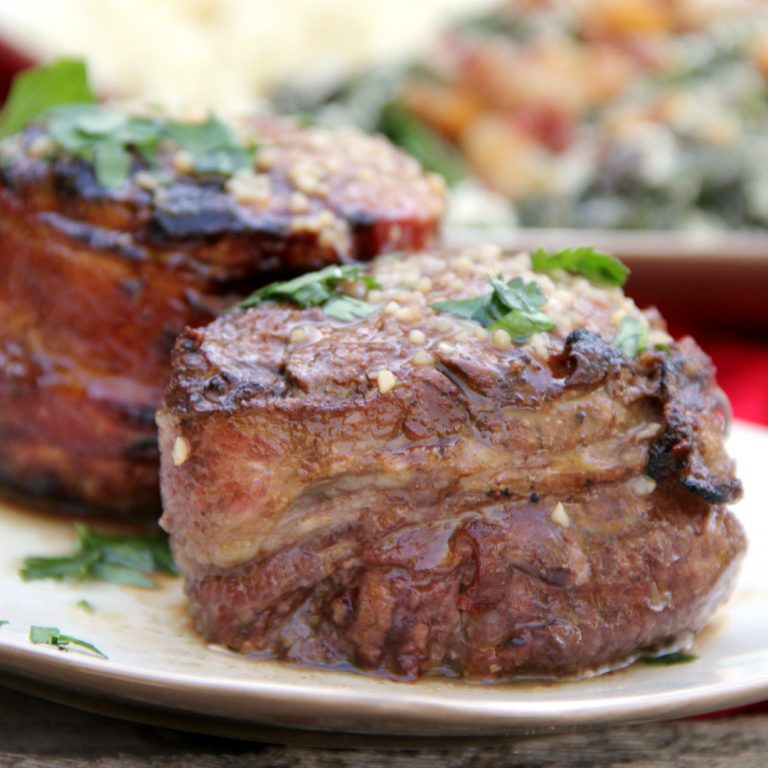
34, 733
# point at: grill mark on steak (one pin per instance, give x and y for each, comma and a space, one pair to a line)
119, 243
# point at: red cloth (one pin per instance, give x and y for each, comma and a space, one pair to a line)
742, 372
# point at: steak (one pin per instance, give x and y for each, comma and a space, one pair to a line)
97, 282
412, 493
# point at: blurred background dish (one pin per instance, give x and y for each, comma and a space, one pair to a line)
631, 114
603, 114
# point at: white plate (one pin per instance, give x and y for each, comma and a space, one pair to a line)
158, 663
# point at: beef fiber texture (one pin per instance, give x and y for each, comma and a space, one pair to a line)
414, 493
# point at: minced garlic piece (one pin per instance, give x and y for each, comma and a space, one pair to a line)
249, 187
40, 146
408, 314
298, 334
180, 451
642, 485
385, 381
298, 202
183, 161
560, 516
422, 357
501, 339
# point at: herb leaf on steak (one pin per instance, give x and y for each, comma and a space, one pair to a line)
106, 137
597, 266
632, 338
320, 289
33, 92
513, 306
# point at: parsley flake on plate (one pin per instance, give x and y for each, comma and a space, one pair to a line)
106, 557
513, 306
669, 659
86, 606
52, 636
320, 289
596, 266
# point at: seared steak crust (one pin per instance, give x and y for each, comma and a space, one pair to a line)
96, 284
485, 509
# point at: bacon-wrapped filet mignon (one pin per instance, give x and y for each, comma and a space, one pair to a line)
117, 231
462, 462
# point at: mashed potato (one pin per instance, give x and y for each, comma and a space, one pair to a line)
219, 53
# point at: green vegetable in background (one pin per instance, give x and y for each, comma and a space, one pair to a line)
425, 144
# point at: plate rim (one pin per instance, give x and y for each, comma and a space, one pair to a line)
405, 708
275, 700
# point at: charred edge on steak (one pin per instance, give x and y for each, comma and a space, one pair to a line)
205, 382
120, 243
587, 358
74, 178
196, 211
676, 452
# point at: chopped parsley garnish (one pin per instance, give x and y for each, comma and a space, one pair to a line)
320, 289
106, 557
512, 306
347, 308
108, 138
423, 142
36, 90
596, 266
632, 338
3, 622
213, 146
668, 659
52, 636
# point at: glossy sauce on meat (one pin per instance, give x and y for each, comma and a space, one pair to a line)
412, 492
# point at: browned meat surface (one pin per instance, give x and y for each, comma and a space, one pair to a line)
96, 283
412, 493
